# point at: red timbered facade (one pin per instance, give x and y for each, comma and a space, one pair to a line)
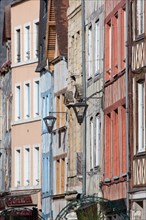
114, 177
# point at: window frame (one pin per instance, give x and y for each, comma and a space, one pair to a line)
27, 42
27, 100
97, 46
36, 39
141, 149
18, 102
90, 50
91, 143
36, 166
139, 31
17, 166
98, 143
27, 165
18, 49
36, 98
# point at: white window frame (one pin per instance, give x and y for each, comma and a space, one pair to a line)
7, 114
125, 24
36, 97
35, 38
27, 100
89, 63
91, 144
97, 46
17, 102
141, 116
16, 59
140, 17
27, 165
98, 138
27, 42
17, 173
110, 46
36, 165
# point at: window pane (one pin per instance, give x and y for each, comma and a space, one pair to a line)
141, 116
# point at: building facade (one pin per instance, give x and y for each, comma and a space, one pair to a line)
94, 17
60, 132
114, 184
26, 122
5, 98
138, 150
74, 170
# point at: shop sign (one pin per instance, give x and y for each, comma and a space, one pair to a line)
18, 201
21, 212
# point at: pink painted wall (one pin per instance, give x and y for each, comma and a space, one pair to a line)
25, 131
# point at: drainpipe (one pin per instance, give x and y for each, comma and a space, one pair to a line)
127, 105
84, 95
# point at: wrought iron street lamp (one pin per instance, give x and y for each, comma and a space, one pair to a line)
49, 121
80, 110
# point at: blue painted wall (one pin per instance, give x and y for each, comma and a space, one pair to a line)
46, 89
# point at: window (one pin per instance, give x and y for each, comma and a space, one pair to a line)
45, 175
26, 166
43, 112
58, 110
90, 52
140, 17
8, 110
115, 44
108, 146
46, 107
27, 100
36, 166
108, 55
123, 38
36, 35
17, 168
79, 163
60, 175
27, 42
18, 46
1, 170
141, 116
97, 47
91, 145
98, 133
61, 138
17, 102
36, 98
115, 143
110, 46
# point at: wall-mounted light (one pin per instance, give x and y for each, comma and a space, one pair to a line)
50, 121
80, 110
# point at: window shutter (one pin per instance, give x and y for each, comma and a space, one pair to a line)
79, 163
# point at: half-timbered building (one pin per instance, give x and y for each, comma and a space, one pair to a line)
138, 109
114, 176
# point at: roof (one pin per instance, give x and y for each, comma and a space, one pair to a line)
7, 24
60, 9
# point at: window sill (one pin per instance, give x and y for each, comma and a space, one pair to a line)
139, 154
24, 121
139, 37
24, 63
